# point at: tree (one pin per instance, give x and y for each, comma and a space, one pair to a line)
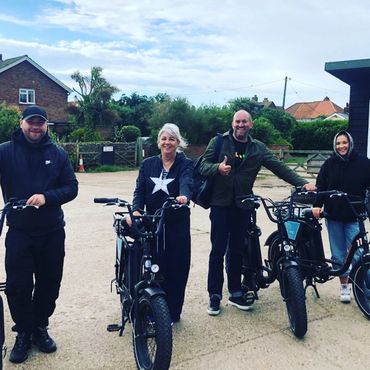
179, 112
250, 105
9, 121
93, 98
135, 110
281, 120
264, 131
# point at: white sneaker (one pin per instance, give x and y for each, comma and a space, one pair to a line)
345, 293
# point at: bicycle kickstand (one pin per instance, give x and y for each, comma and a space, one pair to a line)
310, 283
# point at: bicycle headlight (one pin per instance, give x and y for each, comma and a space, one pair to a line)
155, 268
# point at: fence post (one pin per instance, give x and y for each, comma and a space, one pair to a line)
139, 151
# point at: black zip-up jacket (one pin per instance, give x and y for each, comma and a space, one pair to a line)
351, 176
43, 168
180, 182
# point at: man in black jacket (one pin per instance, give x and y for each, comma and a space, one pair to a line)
34, 168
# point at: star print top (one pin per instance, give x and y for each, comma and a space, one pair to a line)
154, 186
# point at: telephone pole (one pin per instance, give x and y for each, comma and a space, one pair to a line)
286, 81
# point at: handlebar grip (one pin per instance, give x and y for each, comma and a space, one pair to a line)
105, 200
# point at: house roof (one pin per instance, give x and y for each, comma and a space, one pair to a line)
337, 115
313, 110
12, 62
350, 71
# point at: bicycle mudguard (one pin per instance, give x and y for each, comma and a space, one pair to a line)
271, 237
152, 291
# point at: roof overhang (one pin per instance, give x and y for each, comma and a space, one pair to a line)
352, 72
37, 66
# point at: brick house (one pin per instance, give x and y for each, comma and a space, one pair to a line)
23, 82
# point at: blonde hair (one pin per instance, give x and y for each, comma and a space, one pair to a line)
174, 131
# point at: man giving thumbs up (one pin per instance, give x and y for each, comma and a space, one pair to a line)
241, 157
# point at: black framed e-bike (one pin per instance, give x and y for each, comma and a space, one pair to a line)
282, 266
303, 234
137, 281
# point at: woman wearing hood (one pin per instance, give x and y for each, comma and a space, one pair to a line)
349, 172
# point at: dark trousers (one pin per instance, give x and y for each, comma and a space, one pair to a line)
228, 228
173, 258
34, 268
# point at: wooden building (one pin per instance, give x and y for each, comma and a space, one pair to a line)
356, 73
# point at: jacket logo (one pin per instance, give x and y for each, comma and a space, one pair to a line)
47, 161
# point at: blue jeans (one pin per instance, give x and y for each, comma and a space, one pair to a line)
228, 228
341, 235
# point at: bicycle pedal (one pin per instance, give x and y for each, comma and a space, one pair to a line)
114, 327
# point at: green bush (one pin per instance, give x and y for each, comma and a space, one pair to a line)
84, 134
316, 135
264, 131
127, 133
9, 121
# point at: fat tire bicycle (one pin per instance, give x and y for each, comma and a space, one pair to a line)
282, 267
304, 236
137, 281
12, 205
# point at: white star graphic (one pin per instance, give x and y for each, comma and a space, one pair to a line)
160, 184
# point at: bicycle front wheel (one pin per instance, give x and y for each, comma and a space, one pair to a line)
361, 287
152, 334
295, 300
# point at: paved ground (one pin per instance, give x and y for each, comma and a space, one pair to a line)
338, 335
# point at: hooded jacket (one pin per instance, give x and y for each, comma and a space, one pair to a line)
349, 173
42, 168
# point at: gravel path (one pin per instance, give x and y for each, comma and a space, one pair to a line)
338, 335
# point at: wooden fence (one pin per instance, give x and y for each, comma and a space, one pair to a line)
104, 153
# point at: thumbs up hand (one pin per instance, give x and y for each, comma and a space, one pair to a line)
223, 168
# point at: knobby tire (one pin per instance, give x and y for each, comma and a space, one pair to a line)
295, 301
361, 286
152, 334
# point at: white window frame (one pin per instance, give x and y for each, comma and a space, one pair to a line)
29, 94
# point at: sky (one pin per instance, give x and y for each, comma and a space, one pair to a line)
207, 51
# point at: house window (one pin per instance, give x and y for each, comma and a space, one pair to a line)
26, 96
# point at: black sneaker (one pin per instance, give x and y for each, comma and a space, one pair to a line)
240, 303
43, 341
22, 344
213, 308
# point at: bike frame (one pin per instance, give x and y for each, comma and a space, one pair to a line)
314, 264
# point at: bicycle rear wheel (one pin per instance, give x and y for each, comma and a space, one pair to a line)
361, 286
152, 334
295, 300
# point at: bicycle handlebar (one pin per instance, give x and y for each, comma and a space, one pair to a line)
170, 202
13, 204
332, 194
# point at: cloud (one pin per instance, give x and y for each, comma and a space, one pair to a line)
193, 48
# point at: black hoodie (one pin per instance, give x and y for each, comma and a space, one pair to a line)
349, 173
42, 168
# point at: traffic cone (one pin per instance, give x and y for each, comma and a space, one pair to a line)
81, 167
